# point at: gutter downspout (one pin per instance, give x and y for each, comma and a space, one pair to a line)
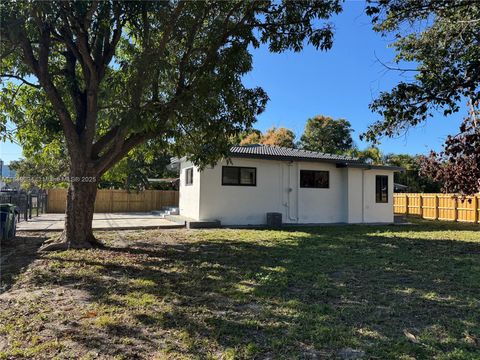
289, 190
363, 196
297, 172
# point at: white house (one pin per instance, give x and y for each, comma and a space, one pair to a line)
306, 187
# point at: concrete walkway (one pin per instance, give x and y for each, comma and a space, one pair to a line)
101, 221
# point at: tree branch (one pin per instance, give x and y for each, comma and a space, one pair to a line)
109, 47
40, 69
104, 141
392, 67
26, 82
78, 96
89, 15
142, 72
67, 38
119, 151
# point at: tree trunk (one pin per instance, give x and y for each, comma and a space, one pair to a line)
79, 215
77, 233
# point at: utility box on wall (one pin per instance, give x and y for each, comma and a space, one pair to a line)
274, 219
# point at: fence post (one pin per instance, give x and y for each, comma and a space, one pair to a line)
455, 208
29, 206
475, 208
25, 208
406, 204
420, 204
435, 204
111, 200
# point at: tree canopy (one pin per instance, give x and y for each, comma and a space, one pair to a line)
371, 155
149, 160
249, 137
457, 167
328, 135
438, 43
274, 136
44, 169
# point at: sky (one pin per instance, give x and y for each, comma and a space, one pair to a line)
341, 83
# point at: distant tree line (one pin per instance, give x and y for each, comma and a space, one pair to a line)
334, 136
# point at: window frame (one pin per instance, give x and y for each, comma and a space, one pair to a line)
314, 171
379, 194
189, 170
239, 175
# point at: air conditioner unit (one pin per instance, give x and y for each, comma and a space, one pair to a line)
274, 219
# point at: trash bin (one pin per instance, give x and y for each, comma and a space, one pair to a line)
8, 221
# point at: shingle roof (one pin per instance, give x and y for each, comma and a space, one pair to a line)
260, 151
278, 151
269, 152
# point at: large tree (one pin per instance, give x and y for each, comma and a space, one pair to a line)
438, 45
457, 167
325, 134
109, 75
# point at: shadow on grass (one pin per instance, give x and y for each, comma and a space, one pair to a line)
15, 255
304, 292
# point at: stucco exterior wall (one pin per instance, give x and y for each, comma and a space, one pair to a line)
323, 205
242, 205
377, 212
277, 190
350, 197
354, 195
189, 198
362, 206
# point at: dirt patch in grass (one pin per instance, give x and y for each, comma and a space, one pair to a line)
332, 292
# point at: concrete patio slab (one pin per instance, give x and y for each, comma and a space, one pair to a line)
101, 221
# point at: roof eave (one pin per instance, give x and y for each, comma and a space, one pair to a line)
288, 158
339, 163
372, 167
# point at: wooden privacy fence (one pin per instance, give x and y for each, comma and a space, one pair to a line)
438, 206
118, 200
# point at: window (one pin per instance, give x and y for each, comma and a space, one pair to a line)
314, 179
241, 176
189, 176
381, 189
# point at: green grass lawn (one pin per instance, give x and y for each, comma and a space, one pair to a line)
385, 292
